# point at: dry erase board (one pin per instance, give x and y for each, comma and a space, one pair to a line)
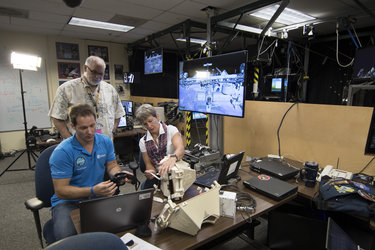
35, 94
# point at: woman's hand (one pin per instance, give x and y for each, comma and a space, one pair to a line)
166, 165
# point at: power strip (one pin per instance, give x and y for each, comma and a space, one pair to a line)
275, 156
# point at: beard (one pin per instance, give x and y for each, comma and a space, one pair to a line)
93, 81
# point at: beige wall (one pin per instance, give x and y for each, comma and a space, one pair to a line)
324, 133
45, 46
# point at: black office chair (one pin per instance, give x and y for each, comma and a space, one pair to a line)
92, 241
43, 190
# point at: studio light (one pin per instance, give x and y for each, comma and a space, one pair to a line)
25, 61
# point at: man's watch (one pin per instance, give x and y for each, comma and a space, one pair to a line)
174, 155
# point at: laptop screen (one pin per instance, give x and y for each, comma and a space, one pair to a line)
232, 163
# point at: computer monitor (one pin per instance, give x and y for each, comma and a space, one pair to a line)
214, 85
277, 84
197, 115
128, 106
122, 122
153, 61
131, 77
364, 65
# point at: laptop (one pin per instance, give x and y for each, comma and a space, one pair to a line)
223, 171
271, 187
274, 167
116, 213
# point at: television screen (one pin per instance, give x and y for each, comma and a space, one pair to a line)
214, 85
122, 122
154, 61
276, 84
364, 64
197, 115
128, 106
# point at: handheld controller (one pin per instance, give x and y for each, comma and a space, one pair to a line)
118, 177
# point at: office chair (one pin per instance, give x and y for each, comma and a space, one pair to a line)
92, 241
43, 190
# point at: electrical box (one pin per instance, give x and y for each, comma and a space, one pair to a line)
227, 203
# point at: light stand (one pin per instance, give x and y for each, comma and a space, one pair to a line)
28, 150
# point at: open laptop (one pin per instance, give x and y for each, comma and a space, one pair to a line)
117, 213
274, 167
226, 170
271, 187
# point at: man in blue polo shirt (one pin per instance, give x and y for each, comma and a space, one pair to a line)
78, 165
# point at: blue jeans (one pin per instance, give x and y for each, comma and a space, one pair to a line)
149, 183
62, 223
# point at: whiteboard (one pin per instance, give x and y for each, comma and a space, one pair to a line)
35, 95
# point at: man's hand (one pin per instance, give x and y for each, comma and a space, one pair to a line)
105, 188
166, 165
148, 173
119, 175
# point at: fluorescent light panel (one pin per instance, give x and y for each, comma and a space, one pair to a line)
192, 40
287, 17
24, 61
99, 25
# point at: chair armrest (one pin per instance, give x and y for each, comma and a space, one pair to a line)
34, 204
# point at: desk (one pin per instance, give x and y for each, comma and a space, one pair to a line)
132, 132
41, 145
173, 239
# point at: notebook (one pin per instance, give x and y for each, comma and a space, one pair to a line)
116, 213
223, 171
274, 167
271, 187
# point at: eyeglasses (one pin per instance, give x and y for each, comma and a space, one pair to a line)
95, 72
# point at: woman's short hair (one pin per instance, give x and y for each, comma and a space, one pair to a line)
80, 110
144, 111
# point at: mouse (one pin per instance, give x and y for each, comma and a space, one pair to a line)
51, 140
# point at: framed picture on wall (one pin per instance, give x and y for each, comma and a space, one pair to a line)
68, 51
106, 72
119, 72
68, 70
100, 51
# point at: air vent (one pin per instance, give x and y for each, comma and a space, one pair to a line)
14, 12
127, 20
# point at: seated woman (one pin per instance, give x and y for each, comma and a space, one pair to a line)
159, 141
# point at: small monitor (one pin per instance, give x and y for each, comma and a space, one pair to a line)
153, 61
364, 64
128, 106
122, 122
197, 115
131, 77
277, 84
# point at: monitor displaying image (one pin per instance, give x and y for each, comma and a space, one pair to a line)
276, 84
122, 122
364, 64
214, 85
128, 106
197, 115
131, 77
154, 61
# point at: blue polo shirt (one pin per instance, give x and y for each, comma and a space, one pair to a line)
71, 160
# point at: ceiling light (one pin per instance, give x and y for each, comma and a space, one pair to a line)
24, 61
287, 17
246, 28
99, 25
192, 40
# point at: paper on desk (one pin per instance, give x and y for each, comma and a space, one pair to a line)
139, 244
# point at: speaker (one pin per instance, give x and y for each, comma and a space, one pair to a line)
73, 3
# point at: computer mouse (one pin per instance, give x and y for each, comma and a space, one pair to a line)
51, 140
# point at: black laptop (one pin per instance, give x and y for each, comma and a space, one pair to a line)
116, 213
223, 171
274, 167
271, 187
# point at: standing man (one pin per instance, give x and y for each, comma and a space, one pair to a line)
78, 165
92, 90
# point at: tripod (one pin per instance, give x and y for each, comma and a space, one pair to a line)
28, 150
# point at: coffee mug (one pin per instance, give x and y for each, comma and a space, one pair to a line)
309, 173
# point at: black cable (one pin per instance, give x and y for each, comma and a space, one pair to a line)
363, 169
281, 123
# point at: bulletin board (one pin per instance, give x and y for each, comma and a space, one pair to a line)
35, 95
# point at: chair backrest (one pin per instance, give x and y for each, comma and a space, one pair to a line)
43, 180
142, 165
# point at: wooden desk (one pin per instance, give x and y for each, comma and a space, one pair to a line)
132, 132
172, 239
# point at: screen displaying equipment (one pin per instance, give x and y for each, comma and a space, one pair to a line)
364, 64
277, 84
154, 61
197, 115
214, 85
128, 106
122, 122
116, 213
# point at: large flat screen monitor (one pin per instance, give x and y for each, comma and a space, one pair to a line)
214, 85
128, 106
154, 61
364, 65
